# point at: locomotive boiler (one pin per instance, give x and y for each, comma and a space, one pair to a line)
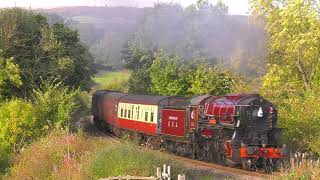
235, 130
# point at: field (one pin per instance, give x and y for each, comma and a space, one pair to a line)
114, 80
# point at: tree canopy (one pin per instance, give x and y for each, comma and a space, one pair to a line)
292, 79
43, 51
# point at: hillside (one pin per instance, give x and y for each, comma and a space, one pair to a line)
232, 39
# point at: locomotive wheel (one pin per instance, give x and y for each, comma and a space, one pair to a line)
267, 166
223, 159
246, 163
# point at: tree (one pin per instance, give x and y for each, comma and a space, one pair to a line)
9, 74
43, 51
208, 79
138, 59
292, 79
293, 29
168, 76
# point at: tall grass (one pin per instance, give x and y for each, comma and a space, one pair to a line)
301, 168
58, 156
62, 155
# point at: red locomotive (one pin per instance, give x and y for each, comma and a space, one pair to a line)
238, 129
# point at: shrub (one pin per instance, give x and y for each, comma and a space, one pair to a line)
21, 122
54, 104
17, 122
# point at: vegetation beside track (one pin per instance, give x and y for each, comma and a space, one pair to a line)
78, 156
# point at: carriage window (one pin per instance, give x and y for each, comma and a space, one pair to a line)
152, 114
129, 114
121, 114
132, 110
125, 113
146, 116
138, 112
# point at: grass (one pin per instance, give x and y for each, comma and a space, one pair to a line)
301, 168
130, 159
115, 80
57, 156
76, 156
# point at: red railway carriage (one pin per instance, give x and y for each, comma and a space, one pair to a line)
233, 129
140, 113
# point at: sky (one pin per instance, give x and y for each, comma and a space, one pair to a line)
235, 6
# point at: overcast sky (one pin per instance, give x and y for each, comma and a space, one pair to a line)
235, 6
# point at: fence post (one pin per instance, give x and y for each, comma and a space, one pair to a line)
181, 177
159, 173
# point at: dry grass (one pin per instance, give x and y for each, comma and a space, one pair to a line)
302, 167
74, 156
58, 156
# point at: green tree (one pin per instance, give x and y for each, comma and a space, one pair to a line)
43, 51
138, 59
169, 76
9, 74
292, 79
208, 79
293, 29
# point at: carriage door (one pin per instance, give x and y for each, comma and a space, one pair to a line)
193, 118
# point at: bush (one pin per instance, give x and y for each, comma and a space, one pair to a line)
54, 104
21, 122
17, 122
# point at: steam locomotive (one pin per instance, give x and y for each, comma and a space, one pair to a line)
235, 130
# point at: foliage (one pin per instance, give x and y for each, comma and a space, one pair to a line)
17, 122
138, 59
169, 76
43, 51
293, 27
140, 81
54, 104
210, 80
9, 74
292, 81
22, 122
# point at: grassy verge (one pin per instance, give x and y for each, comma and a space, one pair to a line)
57, 156
75, 156
116, 80
129, 159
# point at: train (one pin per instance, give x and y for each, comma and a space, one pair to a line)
238, 130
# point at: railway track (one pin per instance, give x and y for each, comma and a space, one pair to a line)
227, 170
236, 173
